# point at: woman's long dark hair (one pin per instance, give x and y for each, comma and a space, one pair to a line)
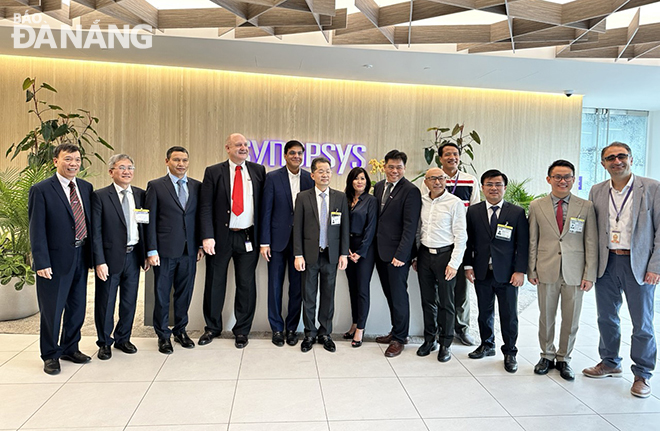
352, 175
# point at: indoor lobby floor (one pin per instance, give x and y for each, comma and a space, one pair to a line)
263, 387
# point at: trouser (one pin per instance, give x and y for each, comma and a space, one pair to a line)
319, 277
176, 273
359, 280
395, 287
280, 263
437, 295
507, 301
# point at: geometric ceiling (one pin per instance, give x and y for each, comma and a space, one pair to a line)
577, 29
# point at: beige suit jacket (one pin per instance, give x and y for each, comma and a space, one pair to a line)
574, 254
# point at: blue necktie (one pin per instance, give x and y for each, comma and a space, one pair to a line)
323, 221
183, 196
493, 219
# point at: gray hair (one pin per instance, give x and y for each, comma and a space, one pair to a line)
117, 157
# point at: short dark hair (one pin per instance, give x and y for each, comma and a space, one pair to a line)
615, 144
396, 155
291, 144
448, 144
562, 163
66, 148
352, 175
176, 148
318, 160
492, 173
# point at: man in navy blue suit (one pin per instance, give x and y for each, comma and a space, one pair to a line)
280, 190
59, 210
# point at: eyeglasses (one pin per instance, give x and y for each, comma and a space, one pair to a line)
498, 185
394, 168
623, 157
566, 178
438, 178
124, 168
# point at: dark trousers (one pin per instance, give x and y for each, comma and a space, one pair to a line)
617, 279
215, 287
507, 302
395, 287
319, 277
280, 263
437, 295
105, 296
359, 280
63, 294
461, 302
177, 272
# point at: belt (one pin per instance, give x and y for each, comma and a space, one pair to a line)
444, 249
79, 242
233, 229
323, 250
620, 252
129, 249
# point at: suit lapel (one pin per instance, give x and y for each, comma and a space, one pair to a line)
394, 193
312, 200
638, 198
284, 177
548, 210
55, 182
114, 198
224, 171
485, 217
170, 187
574, 211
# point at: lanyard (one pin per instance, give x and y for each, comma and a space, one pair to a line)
455, 183
618, 211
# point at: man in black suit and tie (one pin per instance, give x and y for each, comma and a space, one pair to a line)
173, 246
118, 218
59, 210
496, 261
280, 190
400, 206
228, 216
321, 238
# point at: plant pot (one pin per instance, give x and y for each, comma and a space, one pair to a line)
17, 304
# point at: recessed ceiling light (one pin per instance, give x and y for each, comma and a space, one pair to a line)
368, 66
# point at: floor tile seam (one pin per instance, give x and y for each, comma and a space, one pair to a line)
318, 380
44, 403
572, 394
233, 398
491, 394
144, 395
409, 396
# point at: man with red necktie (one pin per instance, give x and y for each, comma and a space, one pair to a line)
229, 214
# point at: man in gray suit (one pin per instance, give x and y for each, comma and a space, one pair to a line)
628, 214
563, 256
320, 244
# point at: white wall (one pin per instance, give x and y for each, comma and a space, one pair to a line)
653, 146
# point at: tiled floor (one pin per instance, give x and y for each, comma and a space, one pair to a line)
263, 387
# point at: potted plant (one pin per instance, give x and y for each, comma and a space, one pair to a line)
442, 135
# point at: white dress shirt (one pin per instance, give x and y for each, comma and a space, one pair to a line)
294, 182
443, 223
133, 233
624, 225
246, 219
67, 191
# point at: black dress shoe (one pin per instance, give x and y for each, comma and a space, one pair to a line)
184, 340
327, 342
126, 347
348, 335
206, 338
444, 354
291, 338
105, 353
426, 348
52, 366
465, 338
307, 344
565, 370
165, 346
482, 351
510, 363
543, 366
278, 338
77, 357
241, 341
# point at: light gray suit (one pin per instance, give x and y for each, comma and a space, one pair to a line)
561, 262
620, 273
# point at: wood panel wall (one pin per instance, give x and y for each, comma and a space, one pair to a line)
146, 109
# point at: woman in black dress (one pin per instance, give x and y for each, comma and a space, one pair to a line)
362, 253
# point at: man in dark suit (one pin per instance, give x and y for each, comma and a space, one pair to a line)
228, 216
400, 206
280, 190
496, 261
117, 229
173, 246
59, 210
320, 244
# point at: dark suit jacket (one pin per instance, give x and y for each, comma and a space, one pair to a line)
52, 227
306, 227
398, 220
508, 256
109, 228
363, 220
215, 200
171, 227
277, 207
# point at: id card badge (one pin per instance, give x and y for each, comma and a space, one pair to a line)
504, 232
335, 218
615, 237
576, 225
142, 216
248, 246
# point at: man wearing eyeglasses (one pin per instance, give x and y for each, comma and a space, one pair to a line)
628, 214
563, 256
441, 239
118, 244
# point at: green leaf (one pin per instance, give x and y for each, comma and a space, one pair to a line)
48, 87
82, 110
428, 155
459, 142
55, 108
27, 83
443, 129
104, 143
98, 156
61, 131
47, 131
29, 96
475, 136
430, 129
456, 129
469, 153
438, 162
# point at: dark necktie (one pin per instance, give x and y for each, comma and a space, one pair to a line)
237, 193
386, 195
560, 215
493, 219
127, 213
183, 196
78, 214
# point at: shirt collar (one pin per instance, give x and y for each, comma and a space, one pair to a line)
318, 192
555, 199
175, 179
291, 174
65, 181
628, 184
119, 189
427, 196
233, 165
499, 204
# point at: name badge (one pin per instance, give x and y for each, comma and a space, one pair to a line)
615, 237
335, 218
576, 225
248, 246
504, 232
142, 215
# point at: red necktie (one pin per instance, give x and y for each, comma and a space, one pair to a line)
78, 214
560, 215
237, 193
